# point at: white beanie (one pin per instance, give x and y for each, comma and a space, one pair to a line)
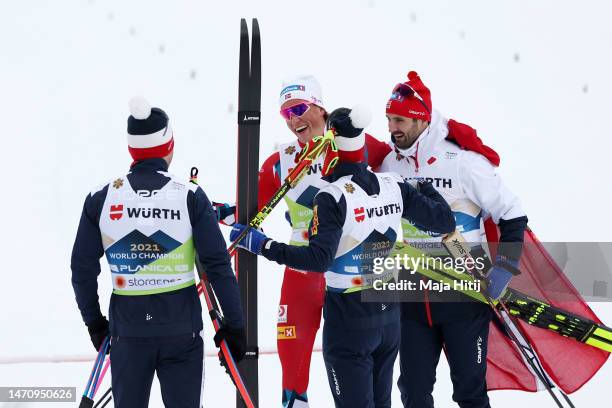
304, 87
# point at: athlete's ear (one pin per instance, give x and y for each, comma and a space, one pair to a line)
321, 111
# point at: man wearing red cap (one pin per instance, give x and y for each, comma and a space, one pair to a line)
151, 225
426, 146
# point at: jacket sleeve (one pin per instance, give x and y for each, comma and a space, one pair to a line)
325, 232
481, 184
85, 260
427, 208
376, 151
269, 180
212, 252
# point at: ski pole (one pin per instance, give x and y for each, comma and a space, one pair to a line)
102, 399
102, 375
87, 398
216, 317
103, 350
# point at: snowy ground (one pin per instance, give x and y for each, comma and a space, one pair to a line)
532, 77
218, 389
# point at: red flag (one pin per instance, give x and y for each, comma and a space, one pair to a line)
569, 364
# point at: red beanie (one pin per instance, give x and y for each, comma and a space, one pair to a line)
411, 99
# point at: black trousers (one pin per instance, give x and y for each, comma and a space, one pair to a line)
465, 345
178, 362
360, 365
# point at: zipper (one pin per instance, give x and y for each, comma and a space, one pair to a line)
416, 158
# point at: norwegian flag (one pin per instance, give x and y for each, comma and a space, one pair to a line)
359, 214
116, 212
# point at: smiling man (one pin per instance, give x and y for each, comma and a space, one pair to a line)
302, 293
426, 146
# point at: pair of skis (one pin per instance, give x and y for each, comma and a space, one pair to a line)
245, 374
533, 311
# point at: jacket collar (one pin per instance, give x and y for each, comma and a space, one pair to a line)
157, 164
427, 142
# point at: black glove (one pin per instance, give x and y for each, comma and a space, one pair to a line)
98, 331
236, 341
340, 120
426, 188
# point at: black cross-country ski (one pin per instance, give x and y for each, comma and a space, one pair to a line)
249, 101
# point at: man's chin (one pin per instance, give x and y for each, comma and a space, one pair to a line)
400, 142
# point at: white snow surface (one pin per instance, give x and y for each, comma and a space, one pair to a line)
532, 77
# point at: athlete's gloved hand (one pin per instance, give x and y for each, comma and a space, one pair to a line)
226, 213
340, 120
349, 123
235, 338
253, 241
98, 331
500, 275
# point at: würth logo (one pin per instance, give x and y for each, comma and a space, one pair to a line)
116, 212
159, 213
359, 214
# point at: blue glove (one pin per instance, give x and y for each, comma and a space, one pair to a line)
500, 275
225, 213
253, 241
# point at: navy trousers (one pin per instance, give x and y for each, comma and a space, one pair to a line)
360, 364
178, 362
465, 345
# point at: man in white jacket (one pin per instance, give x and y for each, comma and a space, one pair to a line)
426, 146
